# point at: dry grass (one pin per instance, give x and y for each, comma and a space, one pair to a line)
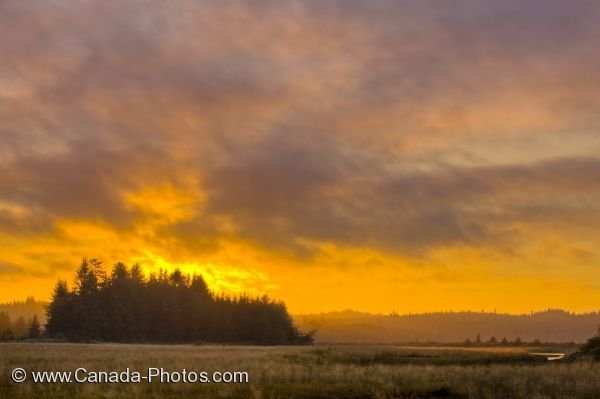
305, 372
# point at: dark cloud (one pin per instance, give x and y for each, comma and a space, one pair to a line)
87, 181
286, 197
8, 269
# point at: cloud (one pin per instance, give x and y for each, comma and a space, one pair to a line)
10, 269
286, 193
87, 181
348, 122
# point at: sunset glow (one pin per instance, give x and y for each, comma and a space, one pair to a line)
379, 156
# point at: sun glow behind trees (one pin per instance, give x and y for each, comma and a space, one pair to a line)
166, 307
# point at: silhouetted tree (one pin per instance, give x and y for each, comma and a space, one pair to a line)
125, 306
35, 329
60, 311
85, 279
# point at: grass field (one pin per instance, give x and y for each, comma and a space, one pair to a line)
304, 372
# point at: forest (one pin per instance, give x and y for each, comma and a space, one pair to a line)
457, 327
125, 306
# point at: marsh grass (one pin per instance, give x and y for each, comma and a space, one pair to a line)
316, 372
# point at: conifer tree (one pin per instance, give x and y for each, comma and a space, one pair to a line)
124, 306
35, 329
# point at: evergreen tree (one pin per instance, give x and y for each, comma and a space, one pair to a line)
85, 279
35, 329
167, 307
59, 312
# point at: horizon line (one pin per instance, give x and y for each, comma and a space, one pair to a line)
385, 314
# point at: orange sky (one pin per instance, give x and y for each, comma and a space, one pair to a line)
409, 156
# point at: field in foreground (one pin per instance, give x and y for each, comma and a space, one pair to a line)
303, 372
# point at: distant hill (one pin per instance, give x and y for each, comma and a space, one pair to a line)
25, 309
553, 325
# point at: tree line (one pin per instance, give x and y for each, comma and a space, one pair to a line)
551, 325
125, 306
20, 328
493, 341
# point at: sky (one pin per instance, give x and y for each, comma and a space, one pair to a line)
407, 156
